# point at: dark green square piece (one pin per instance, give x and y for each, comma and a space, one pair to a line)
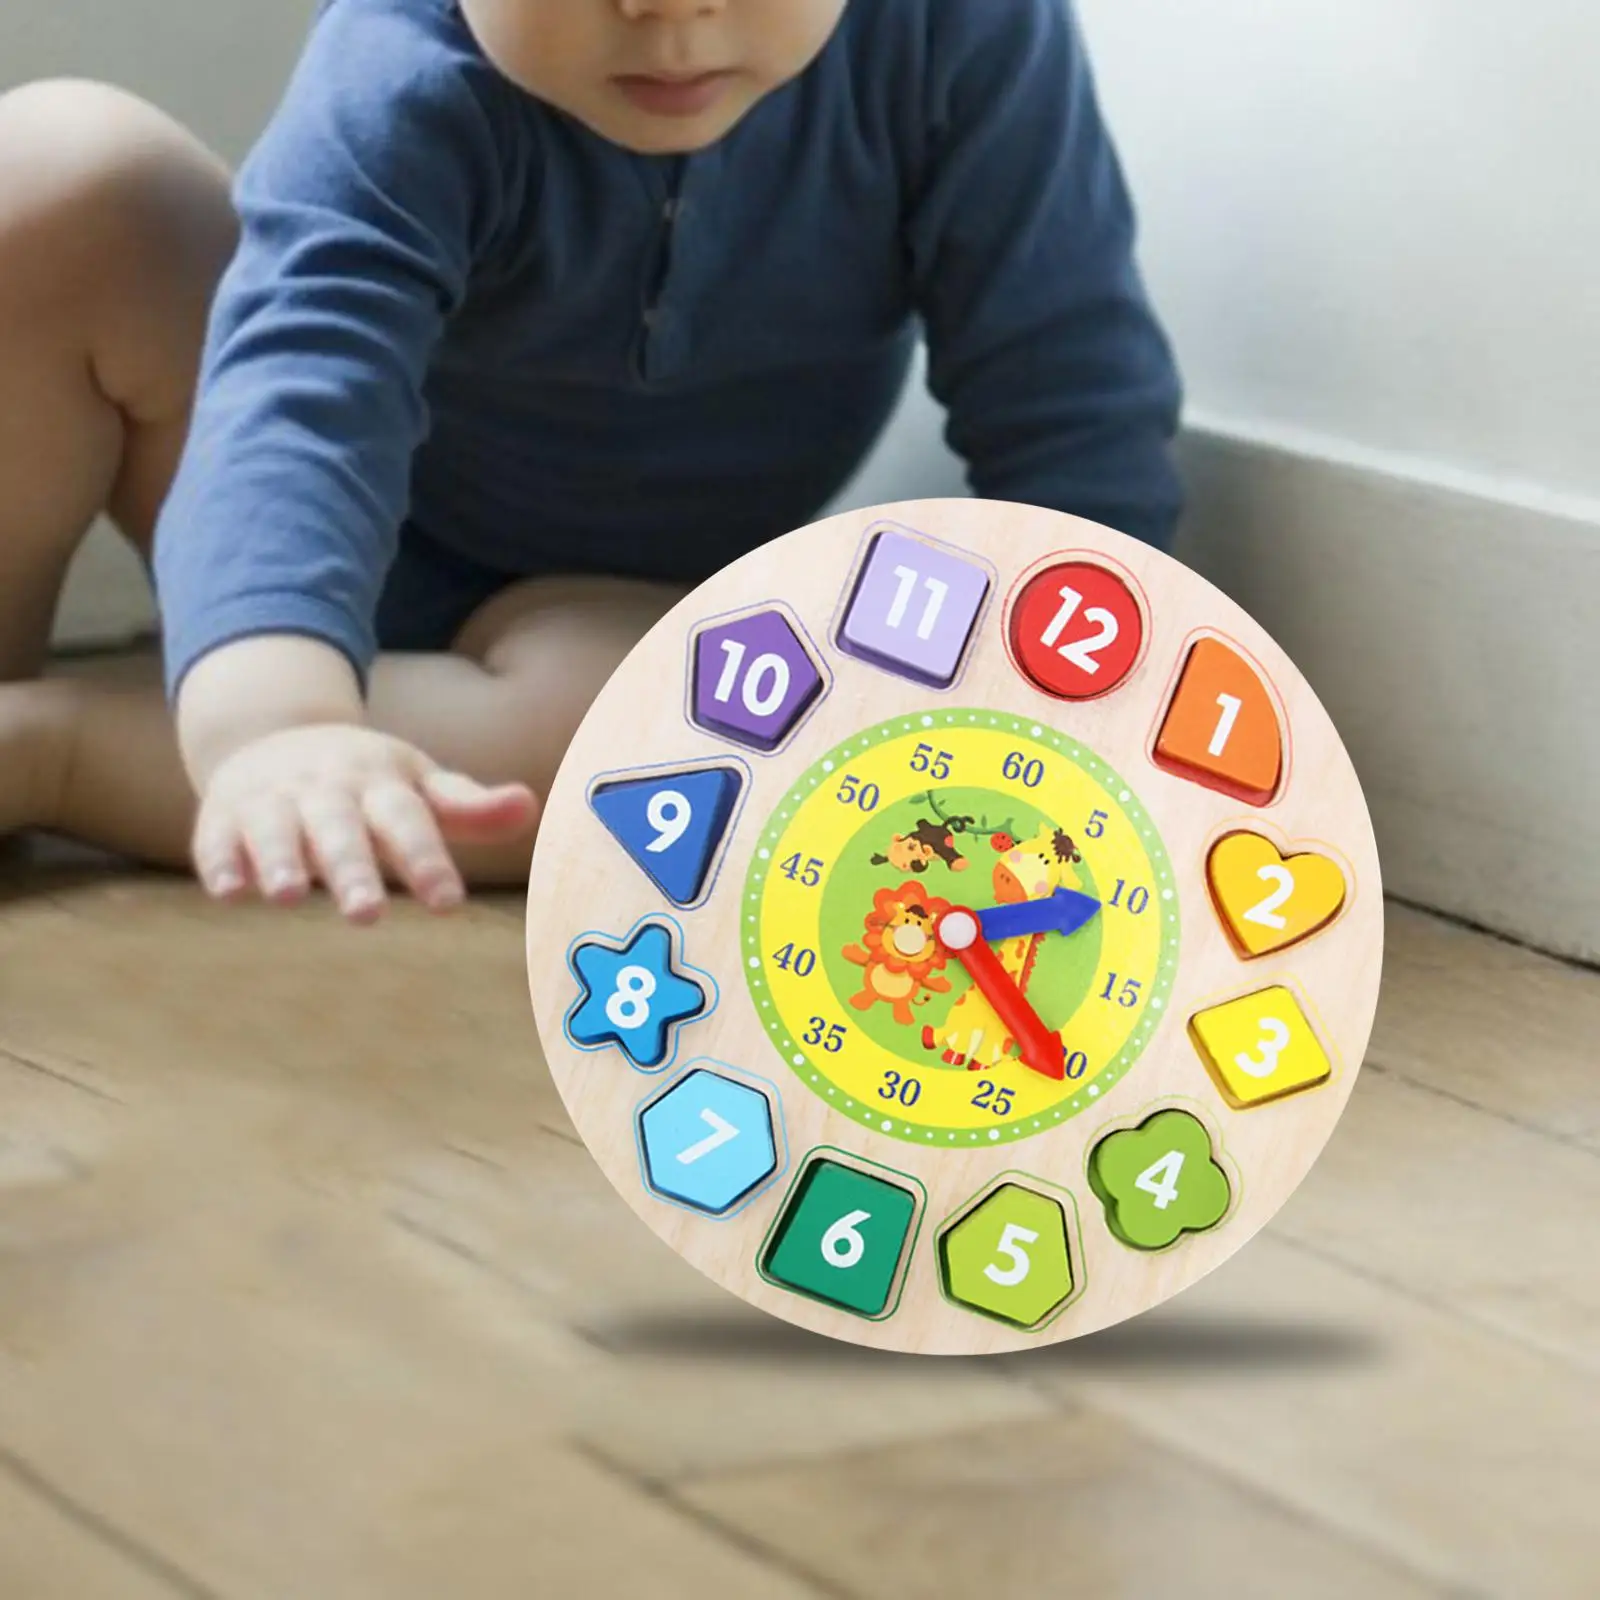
841, 1237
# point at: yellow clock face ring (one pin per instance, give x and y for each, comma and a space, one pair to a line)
906, 821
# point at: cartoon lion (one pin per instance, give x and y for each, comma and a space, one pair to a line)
901, 957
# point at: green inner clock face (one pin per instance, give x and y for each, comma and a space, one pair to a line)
895, 827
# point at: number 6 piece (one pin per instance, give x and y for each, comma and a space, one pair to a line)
955, 928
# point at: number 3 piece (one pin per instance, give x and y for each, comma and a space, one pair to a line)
955, 928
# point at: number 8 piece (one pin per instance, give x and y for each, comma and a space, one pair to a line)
956, 927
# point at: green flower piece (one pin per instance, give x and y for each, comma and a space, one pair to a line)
1159, 1181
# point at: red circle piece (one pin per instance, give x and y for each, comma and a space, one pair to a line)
1076, 630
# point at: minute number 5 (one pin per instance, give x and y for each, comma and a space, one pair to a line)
1081, 652
937, 591
1274, 1041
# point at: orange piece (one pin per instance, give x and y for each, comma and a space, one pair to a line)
1221, 729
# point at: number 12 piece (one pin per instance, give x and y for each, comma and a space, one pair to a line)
934, 939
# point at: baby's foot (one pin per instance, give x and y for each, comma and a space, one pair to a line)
34, 748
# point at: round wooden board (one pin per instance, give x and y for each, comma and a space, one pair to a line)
585, 886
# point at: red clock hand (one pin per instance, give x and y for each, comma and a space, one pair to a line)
959, 933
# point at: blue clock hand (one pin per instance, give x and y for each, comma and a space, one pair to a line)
1065, 911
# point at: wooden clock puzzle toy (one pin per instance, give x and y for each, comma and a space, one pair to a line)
955, 928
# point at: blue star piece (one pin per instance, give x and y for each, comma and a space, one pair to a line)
633, 997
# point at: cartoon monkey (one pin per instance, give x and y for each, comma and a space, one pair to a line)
914, 851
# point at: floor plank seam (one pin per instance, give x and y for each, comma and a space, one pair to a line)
1306, 1515
661, 1493
149, 1561
25, 1063
1384, 1069
1437, 1304
1467, 925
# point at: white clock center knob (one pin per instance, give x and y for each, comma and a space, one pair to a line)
909, 939
959, 930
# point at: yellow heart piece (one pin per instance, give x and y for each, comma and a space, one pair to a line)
1268, 901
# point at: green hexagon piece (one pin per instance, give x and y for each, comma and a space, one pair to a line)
1008, 1257
1159, 1180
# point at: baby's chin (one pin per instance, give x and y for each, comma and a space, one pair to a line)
618, 121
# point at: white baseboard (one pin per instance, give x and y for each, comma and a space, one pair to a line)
1453, 632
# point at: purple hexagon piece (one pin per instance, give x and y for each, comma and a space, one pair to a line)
914, 609
753, 679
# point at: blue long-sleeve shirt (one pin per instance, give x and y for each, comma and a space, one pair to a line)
454, 304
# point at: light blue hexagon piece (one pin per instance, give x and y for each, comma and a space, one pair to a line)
708, 1142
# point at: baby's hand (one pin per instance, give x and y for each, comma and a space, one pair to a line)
332, 802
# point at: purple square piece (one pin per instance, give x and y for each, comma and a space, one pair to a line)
914, 610
753, 680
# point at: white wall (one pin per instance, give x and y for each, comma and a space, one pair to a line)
1374, 230
216, 65
1376, 220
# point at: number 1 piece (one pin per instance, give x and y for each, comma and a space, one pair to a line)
937, 590
1231, 706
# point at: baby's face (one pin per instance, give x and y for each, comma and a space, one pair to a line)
656, 76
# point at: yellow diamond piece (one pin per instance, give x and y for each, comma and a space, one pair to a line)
1260, 1048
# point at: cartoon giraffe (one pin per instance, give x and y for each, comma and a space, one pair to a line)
972, 1035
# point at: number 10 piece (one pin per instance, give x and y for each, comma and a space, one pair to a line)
956, 928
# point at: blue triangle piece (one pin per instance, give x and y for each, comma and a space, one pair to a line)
671, 824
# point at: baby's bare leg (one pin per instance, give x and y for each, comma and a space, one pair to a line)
114, 228
502, 708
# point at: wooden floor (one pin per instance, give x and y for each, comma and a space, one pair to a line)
307, 1292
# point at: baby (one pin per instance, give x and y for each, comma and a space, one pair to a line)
523, 317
